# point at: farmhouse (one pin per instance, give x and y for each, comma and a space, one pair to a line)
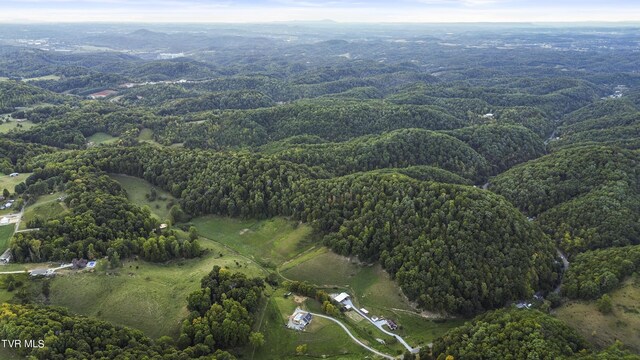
299, 319
392, 324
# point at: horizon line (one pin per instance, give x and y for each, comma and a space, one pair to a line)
327, 21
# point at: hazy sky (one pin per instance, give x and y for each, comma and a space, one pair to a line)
344, 11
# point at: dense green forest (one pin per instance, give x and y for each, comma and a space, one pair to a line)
222, 312
101, 222
428, 235
585, 197
458, 162
511, 334
594, 273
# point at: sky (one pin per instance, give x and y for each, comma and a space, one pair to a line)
356, 11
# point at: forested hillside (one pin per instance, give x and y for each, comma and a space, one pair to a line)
585, 197
435, 175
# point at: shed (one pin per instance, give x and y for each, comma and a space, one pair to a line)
341, 297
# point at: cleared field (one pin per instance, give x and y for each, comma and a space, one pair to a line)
146, 135
323, 338
371, 287
46, 77
5, 127
602, 330
46, 207
9, 183
102, 138
150, 297
369, 283
269, 242
137, 190
5, 234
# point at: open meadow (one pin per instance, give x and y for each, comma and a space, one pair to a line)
269, 242
138, 192
5, 127
322, 337
46, 207
101, 138
146, 296
10, 182
623, 323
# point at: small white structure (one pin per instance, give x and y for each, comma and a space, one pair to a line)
488, 116
364, 311
523, 305
341, 297
13, 174
5, 258
4, 221
163, 226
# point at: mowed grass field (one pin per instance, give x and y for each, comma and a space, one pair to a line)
324, 338
9, 183
370, 287
604, 329
46, 77
102, 138
46, 207
137, 190
147, 296
269, 242
369, 283
6, 232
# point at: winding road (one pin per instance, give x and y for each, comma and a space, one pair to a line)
386, 356
565, 267
379, 325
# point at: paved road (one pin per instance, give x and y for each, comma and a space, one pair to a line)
565, 266
551, 137
27, 230
20, 218
379, 325
386, 356
13, 272
64, 266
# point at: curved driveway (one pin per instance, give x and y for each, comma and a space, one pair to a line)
386, 356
